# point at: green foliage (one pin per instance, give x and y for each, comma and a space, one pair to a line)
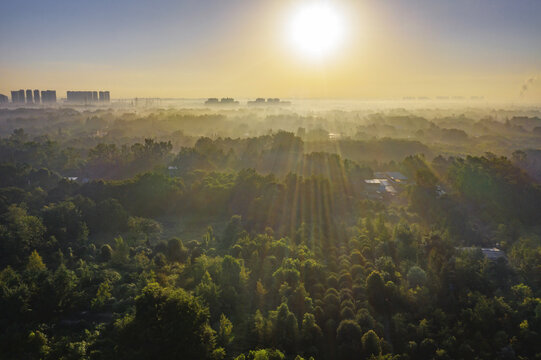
103, 294
38, 344
167, 324
232, 231
65, 222
176, 250
371, 343
106, 252
284, 254
494, 181
109, 217
35, 263
285, 329
63, 283
348, 339
224, 336
121, 251
144, 229
21, 233
375, 289
209, 292
263, 354
311, 334
416, 276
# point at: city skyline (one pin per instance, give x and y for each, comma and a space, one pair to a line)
33, 97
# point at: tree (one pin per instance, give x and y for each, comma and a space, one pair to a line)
21, 234
168, 324
144, 230
225, 335
122, 251
232, 231
103, 294
519, 156
260, 330
208, 291
176, 250
284, 328
35, 263
266, 354
65, 222
150, 194
38, 344
348, 339
371, 343
425, 178
375, 289
231, 280
311, 334
64, 282
106, 252
416, 277
109, 217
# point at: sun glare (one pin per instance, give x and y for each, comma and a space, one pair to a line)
316, 29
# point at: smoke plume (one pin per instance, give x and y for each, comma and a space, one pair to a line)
527, 84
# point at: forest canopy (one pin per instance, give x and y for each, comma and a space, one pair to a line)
270, 234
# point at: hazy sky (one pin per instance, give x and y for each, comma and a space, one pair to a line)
204, 48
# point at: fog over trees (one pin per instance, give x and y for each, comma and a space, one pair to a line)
283, 232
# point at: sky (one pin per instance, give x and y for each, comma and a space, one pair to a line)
242, 48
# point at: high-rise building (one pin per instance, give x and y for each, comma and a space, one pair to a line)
17, 96
83, 97
105, 96
3, 99
48, 96
29, 96
36, 97
87, 97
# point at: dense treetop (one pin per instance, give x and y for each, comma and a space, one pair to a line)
266, 246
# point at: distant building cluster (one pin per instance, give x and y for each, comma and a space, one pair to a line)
86, 97
32, 96
269, 101
49, 96
445, 98
258, 101
222, 101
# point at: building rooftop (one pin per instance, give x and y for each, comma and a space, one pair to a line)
396, 175
374, 181
489, 253
384, 185
393, 175
492, 253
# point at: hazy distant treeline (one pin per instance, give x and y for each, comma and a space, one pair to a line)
81, 137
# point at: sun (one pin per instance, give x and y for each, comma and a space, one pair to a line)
316, 29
